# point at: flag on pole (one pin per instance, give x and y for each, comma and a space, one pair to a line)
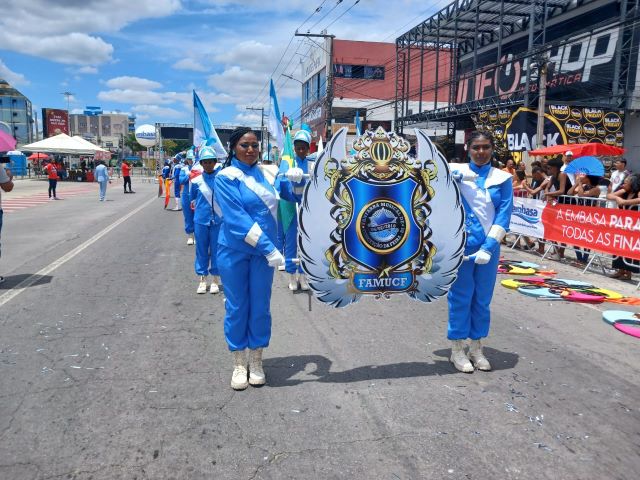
286, 209
320, 147
275, 123
358, 126
203, 130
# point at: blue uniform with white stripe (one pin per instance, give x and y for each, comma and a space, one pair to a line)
175, 176
487, 201
185, 200
207, 221
248, 233
288, 241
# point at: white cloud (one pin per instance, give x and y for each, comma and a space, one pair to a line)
157, 111
60, 31
87, 70
135, 97
190, 64
132, 83
248, 119
14, 78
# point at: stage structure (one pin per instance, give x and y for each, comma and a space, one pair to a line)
498, 51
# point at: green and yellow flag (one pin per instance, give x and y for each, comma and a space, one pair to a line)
286, 209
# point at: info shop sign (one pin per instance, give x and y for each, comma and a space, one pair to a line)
608, 230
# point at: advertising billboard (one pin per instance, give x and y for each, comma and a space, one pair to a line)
55, 122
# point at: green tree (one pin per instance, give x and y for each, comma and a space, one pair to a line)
170, 147
131, 143
183, 145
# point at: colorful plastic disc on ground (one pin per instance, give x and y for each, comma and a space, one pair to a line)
520, 282
584, 297
519, 263
511, 283
533, 280
539, 292
630, 327
512, 270
608, 294
563, 282
613, 316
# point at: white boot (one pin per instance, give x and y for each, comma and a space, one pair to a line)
477, 357
256, 373
213, 288
239, 376
304, 285
293, 282
459, 358
178, 206
202, 286
190, 239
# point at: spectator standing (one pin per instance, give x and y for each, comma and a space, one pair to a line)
6, 184
52, 175
626, 196
101, 176
126, 175
618, 175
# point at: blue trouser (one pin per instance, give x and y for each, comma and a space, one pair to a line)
288, 245
206, 249
246, 281
176, 189
103, 189
1, 214
187, 213
469, 299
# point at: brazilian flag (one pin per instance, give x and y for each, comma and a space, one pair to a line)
286, 209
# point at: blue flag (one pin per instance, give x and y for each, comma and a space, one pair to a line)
358, 126
275, 124
203, 130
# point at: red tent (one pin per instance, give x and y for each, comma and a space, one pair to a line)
38, 156
580, 150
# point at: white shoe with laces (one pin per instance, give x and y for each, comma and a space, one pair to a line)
256, 373
304, 285
477, 357
213, 288
190, 240
202, 286
293, 282
459, 358
239, 376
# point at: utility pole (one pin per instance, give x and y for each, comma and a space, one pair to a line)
261, 109
542, 100
329, 102
68, 95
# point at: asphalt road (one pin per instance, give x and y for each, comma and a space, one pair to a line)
111, 367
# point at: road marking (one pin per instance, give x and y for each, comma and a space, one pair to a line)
27, 282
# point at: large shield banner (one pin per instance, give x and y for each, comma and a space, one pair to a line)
380, 222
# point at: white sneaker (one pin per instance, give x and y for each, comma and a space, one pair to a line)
281, 268
256, 373
477, 357
293, 282
459, 358
213, 288
239, 376
304, 285
202, 286
190, 240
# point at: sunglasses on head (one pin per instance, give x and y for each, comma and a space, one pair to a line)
252, 145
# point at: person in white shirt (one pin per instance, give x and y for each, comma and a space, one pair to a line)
618, 175
102, 177
6, 184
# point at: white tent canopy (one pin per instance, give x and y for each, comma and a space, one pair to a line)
63, 143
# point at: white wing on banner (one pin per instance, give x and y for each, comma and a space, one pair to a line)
320, 227
446, 221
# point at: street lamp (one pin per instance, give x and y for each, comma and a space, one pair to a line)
289, 76
261, 109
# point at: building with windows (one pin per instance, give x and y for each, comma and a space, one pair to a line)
107, 130
345, 78
16, 117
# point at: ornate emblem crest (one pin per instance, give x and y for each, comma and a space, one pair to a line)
381, 222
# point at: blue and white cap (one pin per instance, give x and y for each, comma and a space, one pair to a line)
190, 154
302, 136
208, 153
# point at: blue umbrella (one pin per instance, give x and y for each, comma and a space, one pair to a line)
586, 166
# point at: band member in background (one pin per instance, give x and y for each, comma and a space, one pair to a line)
185, 198
487, 197
175, 176
247, 252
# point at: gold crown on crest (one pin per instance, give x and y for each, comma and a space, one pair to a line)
381, 148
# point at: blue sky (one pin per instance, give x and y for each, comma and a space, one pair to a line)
145, 56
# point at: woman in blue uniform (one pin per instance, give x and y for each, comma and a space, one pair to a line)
487, 197
187, 213
247, 253
206, 221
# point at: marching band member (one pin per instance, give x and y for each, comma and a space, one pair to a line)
187, 213
289, 240
175, 176
206, 220
247, 253
487, 197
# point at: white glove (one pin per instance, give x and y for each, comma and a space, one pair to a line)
457, 175
275, 258
294, 174
482, 257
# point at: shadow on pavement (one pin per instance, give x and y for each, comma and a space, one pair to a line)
11, 281
282, 369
